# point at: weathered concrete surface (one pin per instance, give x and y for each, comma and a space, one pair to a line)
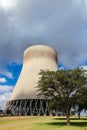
35, 58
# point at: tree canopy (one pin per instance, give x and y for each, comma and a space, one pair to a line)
81, 100
62, 87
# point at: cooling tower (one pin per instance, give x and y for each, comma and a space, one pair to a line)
24, 99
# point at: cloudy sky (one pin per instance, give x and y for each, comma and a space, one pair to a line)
61, 24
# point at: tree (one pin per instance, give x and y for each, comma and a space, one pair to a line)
62, 87
82, 100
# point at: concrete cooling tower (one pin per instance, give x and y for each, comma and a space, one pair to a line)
24, 99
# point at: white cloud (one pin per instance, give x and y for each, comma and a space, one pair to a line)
2, 80
7, 4
5, 92
9, 75
6, 73
4, 88
84, 67
61, 68
4, 98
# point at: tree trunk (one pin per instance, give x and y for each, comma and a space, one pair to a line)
68, 119
79, 115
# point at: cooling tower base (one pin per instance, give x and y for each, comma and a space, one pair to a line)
28, 107
32, 107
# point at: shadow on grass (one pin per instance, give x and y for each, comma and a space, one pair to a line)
70, 118
59, 118
78, 119
57, 123
81, 124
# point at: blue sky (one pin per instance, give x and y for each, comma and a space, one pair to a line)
61, 24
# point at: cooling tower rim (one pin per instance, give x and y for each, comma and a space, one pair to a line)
40, 45
39, 49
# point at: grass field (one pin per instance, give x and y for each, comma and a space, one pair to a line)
41, 123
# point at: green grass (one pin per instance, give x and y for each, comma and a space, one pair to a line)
41, 123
